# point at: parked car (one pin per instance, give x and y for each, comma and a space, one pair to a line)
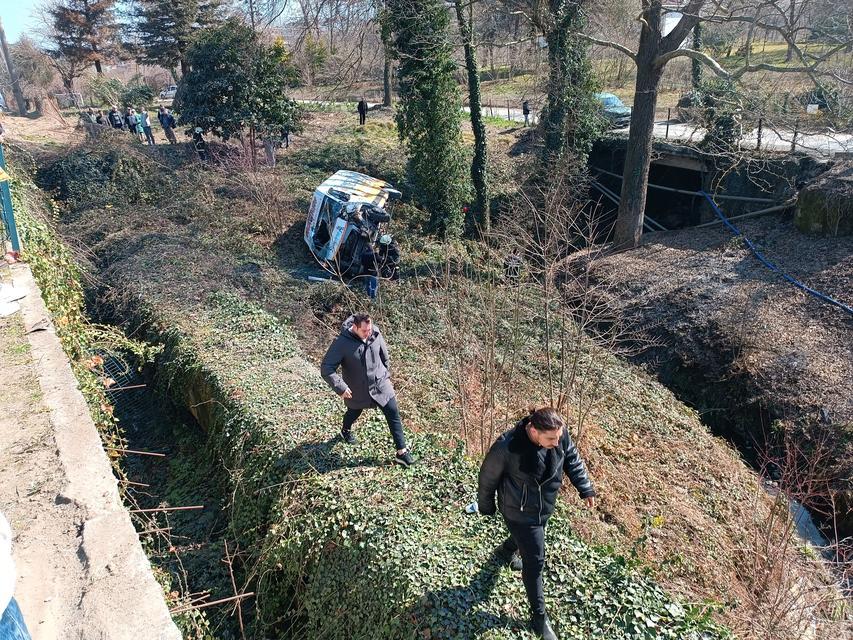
614, 110
169, 92
346, 215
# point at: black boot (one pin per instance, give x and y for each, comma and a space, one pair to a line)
542, 627
507, 553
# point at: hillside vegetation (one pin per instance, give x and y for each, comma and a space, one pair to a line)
209, 262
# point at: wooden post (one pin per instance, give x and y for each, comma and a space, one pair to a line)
668, 118
794, 139
758, 137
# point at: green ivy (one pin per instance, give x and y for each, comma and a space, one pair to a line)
429, 113
60, 280
346, 545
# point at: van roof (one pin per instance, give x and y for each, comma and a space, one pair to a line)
359, 187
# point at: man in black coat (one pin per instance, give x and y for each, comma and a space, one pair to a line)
525, 467
362, 111
365, 382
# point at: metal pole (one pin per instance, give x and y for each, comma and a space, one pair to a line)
507, 111
758, 137
668, 116
7, 214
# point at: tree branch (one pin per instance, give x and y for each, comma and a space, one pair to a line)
609, 44
715, 66
689, 18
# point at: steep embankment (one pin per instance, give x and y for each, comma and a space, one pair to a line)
341, 543
761, 360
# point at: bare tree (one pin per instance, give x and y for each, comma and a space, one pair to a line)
13, 74
659, 45
36, 75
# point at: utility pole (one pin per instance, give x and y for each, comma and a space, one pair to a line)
13, 74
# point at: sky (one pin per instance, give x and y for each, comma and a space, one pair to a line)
18, 17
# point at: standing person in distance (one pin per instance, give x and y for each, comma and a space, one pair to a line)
365, 382
370, 270
145, 123
525, 110
362, 111
115, 118
167, 121
525, 467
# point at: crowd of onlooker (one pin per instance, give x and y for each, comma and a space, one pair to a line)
137, 123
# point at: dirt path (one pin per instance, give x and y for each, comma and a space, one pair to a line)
29, 482
81, 572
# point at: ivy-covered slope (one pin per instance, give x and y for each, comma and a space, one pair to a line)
271, 423
345, 545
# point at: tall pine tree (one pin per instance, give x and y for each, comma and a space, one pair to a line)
83, 31
167, 28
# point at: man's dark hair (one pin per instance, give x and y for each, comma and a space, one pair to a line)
546, 419
360, 318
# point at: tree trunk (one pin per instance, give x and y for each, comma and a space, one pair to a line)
632, 204
269, 150
386, 81
184, 66
479, 169
13, 74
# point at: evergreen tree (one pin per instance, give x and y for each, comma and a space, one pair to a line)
237, 83
570, 120
167, 28
430, 109
83, 31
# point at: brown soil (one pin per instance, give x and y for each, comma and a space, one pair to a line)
748, 348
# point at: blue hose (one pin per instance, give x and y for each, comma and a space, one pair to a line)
770, 265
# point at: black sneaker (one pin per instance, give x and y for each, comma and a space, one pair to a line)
542, 626
508, 556
348, 437
404, 459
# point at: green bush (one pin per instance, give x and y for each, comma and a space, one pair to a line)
100, 174
137, 96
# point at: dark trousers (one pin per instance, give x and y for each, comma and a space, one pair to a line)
529, 541
362, 117
392, 415
372, 285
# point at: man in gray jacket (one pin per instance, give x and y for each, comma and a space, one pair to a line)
361, 353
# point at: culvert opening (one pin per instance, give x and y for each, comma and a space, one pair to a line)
672, 200
168, 477
666, 203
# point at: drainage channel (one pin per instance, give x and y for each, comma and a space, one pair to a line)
168, 479
729, 413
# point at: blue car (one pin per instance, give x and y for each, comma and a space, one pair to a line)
614, 110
